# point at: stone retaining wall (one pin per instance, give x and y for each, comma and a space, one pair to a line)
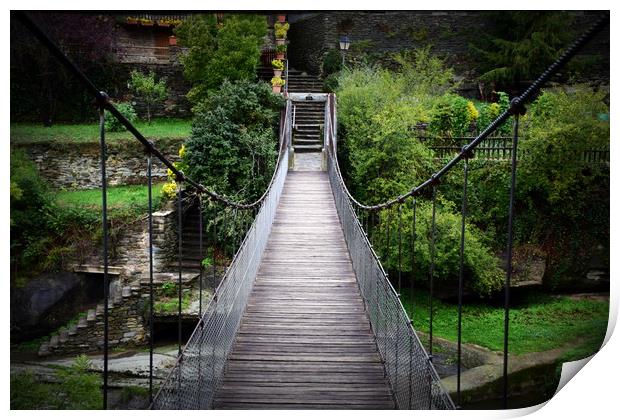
77, 165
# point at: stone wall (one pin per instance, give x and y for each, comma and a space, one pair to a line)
77, 165
376, 33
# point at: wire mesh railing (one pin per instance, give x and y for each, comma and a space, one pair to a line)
194, 379
412, 377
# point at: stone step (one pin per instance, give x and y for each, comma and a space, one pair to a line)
306, 141
44, 349
307, 149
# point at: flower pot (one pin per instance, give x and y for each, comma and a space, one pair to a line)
172, 40
276, 89
280, 55
277, 73
280, 41
281, 18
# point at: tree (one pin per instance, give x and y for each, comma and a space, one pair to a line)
230, 50
232, 148
519, 45
150, 91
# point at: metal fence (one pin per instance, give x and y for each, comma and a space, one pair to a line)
194, 379
499, 148
409, 369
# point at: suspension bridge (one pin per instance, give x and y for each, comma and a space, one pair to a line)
305, 316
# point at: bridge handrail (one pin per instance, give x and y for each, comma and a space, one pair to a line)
516, 107
412, 376
103, 101
207, 349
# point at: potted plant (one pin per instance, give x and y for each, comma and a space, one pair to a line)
146, 22
278, 67
276, 84
280, 30
132, 20
280, 51
281, 18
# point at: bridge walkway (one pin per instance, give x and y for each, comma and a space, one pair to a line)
305, 340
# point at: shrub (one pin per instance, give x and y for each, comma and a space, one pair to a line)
451, 116
150, 91
424, 74
126, 110
330, 83
557, 184
482, 273
332, 63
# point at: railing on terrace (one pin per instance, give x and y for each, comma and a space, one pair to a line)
497, 148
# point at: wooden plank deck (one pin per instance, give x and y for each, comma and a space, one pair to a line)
305, 340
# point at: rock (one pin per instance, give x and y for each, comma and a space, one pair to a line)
44, 349
54, 341
82, 323
91, 315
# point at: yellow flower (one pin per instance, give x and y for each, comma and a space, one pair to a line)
472, 112
182, 152
169, 190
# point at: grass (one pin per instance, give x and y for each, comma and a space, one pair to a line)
537, 323
122, 200
170, 305
89, 132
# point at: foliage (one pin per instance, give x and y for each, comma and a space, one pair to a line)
229, 51
159, 129
537, 322
281, 48
424, 73
332, 63
113, 124
77, 389
519, 45
379, 142
451, 116
277, 64
556, 183
330, 83
150, 91
277, 81
482, 273
169, 289
232, 148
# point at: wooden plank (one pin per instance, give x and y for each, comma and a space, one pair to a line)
305, 340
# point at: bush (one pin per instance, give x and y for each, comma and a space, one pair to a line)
381, 154
218, 52
332, 63
126, 110
451, 117
557, 184
482, 273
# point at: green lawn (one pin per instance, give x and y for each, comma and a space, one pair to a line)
85, 133
538, 323
122, 200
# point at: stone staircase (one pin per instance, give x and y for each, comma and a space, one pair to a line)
308, 127
302, 82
